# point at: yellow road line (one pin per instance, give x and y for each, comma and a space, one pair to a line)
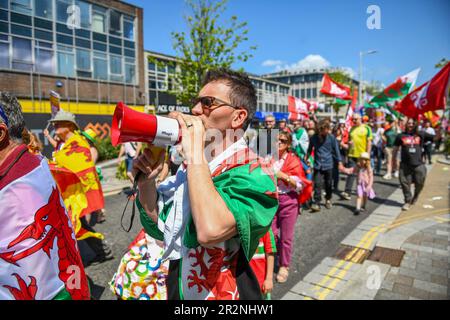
357, 252
368, 237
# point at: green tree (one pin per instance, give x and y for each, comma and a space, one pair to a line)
342, 77
373, 88
209, 43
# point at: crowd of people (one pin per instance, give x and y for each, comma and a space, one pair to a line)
215, 227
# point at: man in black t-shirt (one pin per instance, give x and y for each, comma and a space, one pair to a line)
412, 169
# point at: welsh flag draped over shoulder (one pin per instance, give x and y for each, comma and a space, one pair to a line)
77, 179
397, 90
430, 96
332, 88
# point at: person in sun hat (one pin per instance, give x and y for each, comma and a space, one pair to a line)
82, 194
364, 173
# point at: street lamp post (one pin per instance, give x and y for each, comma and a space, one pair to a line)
361, 54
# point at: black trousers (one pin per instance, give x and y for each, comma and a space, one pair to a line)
350, 178
428, 149
408, 175
322, 177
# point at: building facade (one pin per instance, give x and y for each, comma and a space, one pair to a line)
306, 84
161, 68
93, 50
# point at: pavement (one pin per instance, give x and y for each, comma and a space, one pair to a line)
391, 254
110, 184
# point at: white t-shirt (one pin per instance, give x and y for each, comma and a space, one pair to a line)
130, 149
377, 137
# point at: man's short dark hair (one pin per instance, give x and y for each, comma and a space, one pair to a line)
324, 124
242, 93
13, 112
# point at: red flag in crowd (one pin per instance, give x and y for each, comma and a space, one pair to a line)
297, 105
298, 109
332, 88
430, 96
351, 110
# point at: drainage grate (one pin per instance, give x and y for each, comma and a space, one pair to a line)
392, 257
350, 253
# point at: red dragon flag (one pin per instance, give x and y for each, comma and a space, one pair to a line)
430, 96
39, 255
332, 88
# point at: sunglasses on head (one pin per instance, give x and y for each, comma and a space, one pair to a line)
283, 140
208, 102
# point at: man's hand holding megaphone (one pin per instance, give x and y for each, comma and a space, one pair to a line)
151, 161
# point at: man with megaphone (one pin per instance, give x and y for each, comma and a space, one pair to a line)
213, 212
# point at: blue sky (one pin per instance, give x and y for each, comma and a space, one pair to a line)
299, 33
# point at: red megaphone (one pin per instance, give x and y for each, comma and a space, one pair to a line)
129, 125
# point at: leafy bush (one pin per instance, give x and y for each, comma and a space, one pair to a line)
447, 146
121, 172
105, 149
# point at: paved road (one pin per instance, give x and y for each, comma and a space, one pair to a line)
317, 236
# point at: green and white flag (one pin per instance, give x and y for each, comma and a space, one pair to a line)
397, 90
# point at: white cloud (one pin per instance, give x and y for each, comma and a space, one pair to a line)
272, 63
311, 61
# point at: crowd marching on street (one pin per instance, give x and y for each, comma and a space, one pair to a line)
212, 228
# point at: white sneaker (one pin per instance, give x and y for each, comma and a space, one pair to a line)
387, 177
396, 174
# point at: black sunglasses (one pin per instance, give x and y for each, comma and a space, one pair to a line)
208, 102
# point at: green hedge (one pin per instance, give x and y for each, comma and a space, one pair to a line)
105, 149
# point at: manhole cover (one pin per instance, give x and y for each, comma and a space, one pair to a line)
392, 257
353, 254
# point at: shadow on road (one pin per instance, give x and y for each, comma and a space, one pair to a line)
96, 290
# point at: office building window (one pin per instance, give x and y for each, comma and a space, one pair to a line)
98, 19
22, 56
116, 68
100, 66
61, 10
303, 95
308, 93
22, 6
85, 14
130, 70
83, 60
128, 27
314, 92
66, 64
43, 9
115, 25
44, 60
4, 55
4, 4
